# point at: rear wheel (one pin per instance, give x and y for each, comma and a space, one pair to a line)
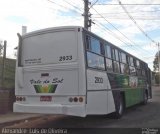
145, 101
119, 108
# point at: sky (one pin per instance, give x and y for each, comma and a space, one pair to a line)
138, 36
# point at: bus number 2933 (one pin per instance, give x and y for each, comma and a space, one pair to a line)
64, 58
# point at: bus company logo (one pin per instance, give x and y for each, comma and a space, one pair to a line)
51, 88
46, 86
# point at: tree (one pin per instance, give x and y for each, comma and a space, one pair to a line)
155, 62
157, 78
1, 47
156, 67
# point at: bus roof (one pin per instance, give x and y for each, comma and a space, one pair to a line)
49, 30
62, 28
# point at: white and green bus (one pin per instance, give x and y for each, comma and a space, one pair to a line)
71, 71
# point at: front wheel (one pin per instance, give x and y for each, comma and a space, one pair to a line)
119, 108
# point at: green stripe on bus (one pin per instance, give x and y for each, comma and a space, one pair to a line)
133, 96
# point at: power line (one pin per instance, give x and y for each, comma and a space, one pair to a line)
115, 36
62, 6
117, 29
129, 4
73, 6
156, 18
93, 4
110, 23
113, 26
58, 4
140, 11
136, 23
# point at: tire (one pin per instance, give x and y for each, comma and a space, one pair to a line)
145, 101
119, 108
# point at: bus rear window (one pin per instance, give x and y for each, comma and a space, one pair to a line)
49, 48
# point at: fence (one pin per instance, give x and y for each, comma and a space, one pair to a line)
7, 98
7, 83
8, 80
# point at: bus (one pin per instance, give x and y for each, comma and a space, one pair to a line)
72, 71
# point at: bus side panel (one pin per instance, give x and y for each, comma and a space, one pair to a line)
81, 63
99, 95
132, 86
149, 79
96, 102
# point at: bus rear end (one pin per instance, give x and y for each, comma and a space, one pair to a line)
48, 75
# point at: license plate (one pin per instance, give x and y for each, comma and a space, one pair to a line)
46, 98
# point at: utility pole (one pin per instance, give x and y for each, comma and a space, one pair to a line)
3, 63
87, 15
158, 61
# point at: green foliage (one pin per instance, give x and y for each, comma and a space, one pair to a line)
1, 47
157, 78
155, 62
156, 67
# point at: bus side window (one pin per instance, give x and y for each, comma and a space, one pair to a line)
109, 65
95, 46
88, 42
131, 62
144, 67
137, 63
139, 72
124, 68
102, 48
108, 51
116, 67
132, 70
123, 57
113, 54
143, 73
116, 55
109, 62
95, 61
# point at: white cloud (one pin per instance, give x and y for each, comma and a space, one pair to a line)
143, 15
40, 14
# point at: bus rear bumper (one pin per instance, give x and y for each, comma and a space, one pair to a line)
75, 110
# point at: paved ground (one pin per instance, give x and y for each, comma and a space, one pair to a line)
9, 117
15, 118
136, 117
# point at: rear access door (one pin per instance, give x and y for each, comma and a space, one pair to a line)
49, 63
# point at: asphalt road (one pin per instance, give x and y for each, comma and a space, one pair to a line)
139, 116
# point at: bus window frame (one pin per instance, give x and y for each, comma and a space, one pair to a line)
103, 53
101, 45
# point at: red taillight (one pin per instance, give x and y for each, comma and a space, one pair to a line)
80, 99
70, 99
17, 98
20, 99
76, 99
